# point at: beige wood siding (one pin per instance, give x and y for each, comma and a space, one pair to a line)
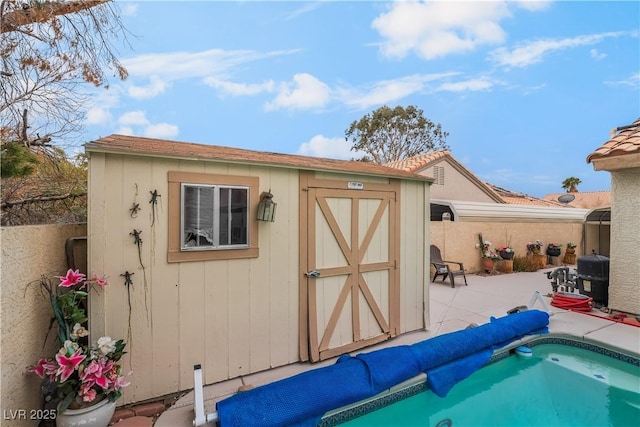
414, 267
232, 316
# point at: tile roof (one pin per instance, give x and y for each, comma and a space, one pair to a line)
585, 200
513, 198
414, 163
124, 144
625, 142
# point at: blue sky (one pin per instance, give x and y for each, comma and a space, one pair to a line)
526, 90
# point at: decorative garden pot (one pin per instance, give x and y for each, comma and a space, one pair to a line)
98, 415
553, 251
488, 264
505, 266
507, 255
570, 250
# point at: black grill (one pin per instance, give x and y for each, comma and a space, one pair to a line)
594, 269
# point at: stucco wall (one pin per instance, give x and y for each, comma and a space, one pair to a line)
624, 274
27, 253
456, 186
457, 239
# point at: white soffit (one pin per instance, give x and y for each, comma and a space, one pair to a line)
463, 210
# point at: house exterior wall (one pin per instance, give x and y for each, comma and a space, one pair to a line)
624, 274
234, 317
28, 252
457, 240
457, 186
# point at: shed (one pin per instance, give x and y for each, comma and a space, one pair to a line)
343, 266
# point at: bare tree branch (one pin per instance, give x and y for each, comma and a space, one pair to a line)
40, 199
40, 12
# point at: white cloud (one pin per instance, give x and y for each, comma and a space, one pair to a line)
137, 123
633, 81
125, 130
161, 130
387, 91
534, 5
598, 56
133, 118
156, 87
304, 9
305, 92
533, 52
467, 85
173, 66
239, 89
322, 146
130, 9
436, 29
97, 116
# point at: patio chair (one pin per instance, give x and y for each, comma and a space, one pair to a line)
443, 269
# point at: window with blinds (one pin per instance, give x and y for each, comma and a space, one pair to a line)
214, 217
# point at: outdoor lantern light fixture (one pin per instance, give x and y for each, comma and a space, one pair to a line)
266, 207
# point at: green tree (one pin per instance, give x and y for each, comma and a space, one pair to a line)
55, 191
388, 135
571, 184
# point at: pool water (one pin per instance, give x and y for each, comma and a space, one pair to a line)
558, 386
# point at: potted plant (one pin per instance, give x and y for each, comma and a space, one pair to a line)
553, 249
571, 248
534, 247
87, 376
506, 252
489, 257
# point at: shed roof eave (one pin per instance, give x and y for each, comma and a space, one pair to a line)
465, 210
393, 173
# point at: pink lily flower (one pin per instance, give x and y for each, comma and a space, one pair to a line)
100, 281
89, 396
71, 278
119, 383
43, 367
69, 364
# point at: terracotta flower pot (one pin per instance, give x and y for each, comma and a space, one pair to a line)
488, 264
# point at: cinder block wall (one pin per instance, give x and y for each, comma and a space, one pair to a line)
28, 252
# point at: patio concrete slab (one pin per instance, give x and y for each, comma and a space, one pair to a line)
451, 309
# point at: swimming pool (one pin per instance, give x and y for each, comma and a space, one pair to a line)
565, 382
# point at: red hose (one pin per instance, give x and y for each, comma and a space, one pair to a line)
571, 302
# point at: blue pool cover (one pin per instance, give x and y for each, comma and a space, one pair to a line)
303, 399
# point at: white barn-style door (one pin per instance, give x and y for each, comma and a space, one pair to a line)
349, 274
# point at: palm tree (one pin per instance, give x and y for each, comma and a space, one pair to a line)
571, 184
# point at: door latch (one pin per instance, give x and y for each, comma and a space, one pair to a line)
312, 273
